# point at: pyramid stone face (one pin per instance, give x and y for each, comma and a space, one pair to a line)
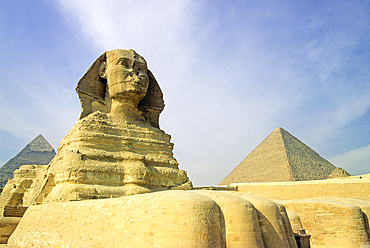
306, 164
40, 144
37, 152
339, 172
278, 158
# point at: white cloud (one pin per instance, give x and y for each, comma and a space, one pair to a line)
356, 161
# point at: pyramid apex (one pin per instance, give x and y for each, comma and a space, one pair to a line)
36, 152
279, 129
39, 144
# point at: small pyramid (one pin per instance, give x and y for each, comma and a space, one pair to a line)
280, 157
37, 152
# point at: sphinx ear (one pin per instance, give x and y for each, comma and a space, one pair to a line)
102, 71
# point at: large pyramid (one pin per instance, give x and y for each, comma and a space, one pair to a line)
281, 157
37, 152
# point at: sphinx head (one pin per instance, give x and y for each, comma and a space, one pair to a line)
121, 75
126, 75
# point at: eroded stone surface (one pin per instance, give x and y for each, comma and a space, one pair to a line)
7, 227
351, 187
335, 212
161, 219
116, 147
16, 196
333, 221
20, 190
38, 151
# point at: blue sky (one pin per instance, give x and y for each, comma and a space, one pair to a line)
231, 72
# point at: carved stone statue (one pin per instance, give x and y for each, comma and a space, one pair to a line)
116, 147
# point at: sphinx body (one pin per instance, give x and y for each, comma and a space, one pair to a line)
116, 147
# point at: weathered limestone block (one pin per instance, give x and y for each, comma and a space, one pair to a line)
295, 221
273, 223
288, 228
7, 227
275, 230
16, 196
160, 219
240, 227
329, 225
19, 191
361, 202
116, 147
308, 189
332, 222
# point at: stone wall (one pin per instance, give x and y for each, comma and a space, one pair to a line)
332, 223
14, 211
307, 189
334, 212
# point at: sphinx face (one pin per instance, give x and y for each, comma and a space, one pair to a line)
126, 75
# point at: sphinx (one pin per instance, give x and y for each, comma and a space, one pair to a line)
116, 147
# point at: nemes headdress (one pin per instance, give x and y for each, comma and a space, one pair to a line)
93, 94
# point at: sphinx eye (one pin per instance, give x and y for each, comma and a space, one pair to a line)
123, 62
142, 70
140, 67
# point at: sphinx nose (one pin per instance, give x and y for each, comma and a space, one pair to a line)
133, 71
134, 74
